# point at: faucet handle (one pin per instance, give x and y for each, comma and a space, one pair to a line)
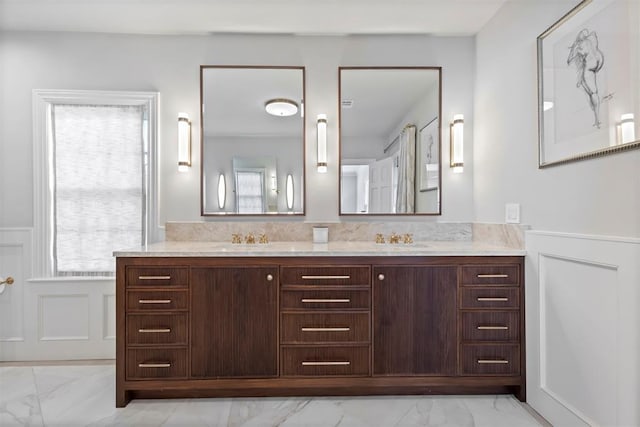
379, 238
236, 238
263, 238
394, 238
408, 238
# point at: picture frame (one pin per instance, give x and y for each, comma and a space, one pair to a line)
429, 156
588, 83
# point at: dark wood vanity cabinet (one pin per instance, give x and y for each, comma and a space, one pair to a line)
234, 322
414, 310
281, 326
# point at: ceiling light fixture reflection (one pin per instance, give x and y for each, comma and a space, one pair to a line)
281, 107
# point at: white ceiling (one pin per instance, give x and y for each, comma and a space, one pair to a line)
437, 17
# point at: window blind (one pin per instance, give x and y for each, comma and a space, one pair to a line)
250, 192
98, 186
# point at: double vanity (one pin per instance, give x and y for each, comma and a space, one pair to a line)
198, 315
215, 319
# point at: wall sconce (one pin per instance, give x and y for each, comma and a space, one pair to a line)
627, 128
184, 142
457, 143
322, 142
222, 191
290, 192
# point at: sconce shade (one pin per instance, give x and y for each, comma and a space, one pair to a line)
184, 142
222, 191
457, 143
627, 127
290, 192
281, 107
322, 142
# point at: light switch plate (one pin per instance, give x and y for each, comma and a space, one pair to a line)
512, 213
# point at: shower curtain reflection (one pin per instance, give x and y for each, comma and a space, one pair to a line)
405, 195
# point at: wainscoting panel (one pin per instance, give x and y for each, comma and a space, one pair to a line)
109, 317
13, 263
583, 328
51, 318
63, 317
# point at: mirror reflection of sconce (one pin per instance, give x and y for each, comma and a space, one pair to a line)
184, 142
222, 191
321, 125
627, 128
457, 143
290, 192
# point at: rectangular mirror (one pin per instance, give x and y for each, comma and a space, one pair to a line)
252, 146
390, 162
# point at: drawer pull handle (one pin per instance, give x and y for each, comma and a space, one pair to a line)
269, 277
154, 365
338, 329
326, 277
155, 331
154, 301
154, 277
381, 276
503, 299
336, 363
493, 328
493, 362
493, 276
312, 300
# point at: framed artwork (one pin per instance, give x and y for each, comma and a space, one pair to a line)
429, 159
589, 82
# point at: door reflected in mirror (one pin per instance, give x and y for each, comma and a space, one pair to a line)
252, 140
390, 146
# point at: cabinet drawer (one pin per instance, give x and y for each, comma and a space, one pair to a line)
326, 275
157, 328
156, 363
157, 276
491, 326
325, 361
491, 274
157, 300
486, 359
324, 327
489, 297
325, 299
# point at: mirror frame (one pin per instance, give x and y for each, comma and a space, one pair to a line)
363, 68
304, 144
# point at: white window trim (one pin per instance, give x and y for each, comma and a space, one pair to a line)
42, 99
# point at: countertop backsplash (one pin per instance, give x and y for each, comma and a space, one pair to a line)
508, 235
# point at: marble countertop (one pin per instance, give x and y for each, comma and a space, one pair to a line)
337, 248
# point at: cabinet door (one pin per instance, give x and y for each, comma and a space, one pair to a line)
414, 320
234, 321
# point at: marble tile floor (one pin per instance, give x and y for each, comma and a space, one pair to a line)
83, 395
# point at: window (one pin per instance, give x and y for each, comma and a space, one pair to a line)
96, 157
249, 191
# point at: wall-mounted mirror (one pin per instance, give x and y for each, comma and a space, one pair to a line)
252, 146
390, 144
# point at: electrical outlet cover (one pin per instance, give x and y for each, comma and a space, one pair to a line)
512, 213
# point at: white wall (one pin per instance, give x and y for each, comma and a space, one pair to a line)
597, 196
170, 65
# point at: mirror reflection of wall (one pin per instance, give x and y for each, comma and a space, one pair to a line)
390, 127
254, 150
